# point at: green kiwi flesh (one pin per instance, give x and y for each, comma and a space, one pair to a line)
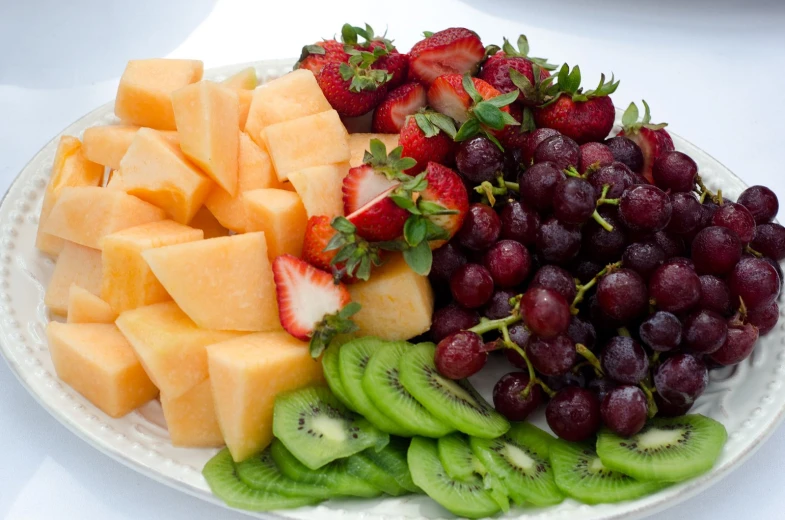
392, 459
364, 468
332, 373
260, 472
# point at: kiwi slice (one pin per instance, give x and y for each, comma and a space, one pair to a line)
354, 357
392, 459
334, 476
363, 467
520, 460
381, 383
260, 472
454, 402
220, 473
667, 449
466, 497
332, 373
581, 474
318, 429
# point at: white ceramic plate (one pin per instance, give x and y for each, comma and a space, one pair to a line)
746, 399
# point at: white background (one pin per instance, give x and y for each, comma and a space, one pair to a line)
712, 69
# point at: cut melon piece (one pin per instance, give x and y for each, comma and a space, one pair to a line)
128, 282
97, 361
359, 143
209, 225
309, 141
170, 346
78, 265
295, 95
320, 188
243, 80
247, 374
397, 303
223, 283
86, 307
191, 418
144, 96
87, 214
115, 181
244, 98
281, 215
107, 144
70, 168
207, 116
255, 171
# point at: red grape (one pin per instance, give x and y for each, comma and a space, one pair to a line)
582, 331
560, 150
573, 414
705, 331
556, 278
681, 379
674, 171
446, 260
616, 176
471, 286
739, 345
761, 202
770, 240
622, 295
574, 200
686, 215
545, 312
601, 245
643, 258
645, 208
716, 250
558, 242
537, 185
737, 218
755, 281
480, 229
460, 355
508, 396
661, 331
666, 409
675, 287
624, 360
499, 305
601, 386
451, 319
765, 318
553, 356
715, 295
508, 262
625, 151
478, 160
595, 155
534, 140
670, 243
520, 222
624, 410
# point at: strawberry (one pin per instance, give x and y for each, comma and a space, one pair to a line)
325, 240
451, 51
318, 233
396, 65
445, 188
353, 88
381, 219
315, 57
310, 305
514, 136
427, 137
361, 185
653, 139
390, 115
389, 59
496, 69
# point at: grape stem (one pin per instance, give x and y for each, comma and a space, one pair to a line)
704, 192
502, 188
623, 331
533, 379
582, 289
512, 186
602, 200
751, 251
487, 325
572, 172
601, 221
652, 405
589, 356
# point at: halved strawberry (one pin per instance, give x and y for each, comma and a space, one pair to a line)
315, 57
391, 113
653, 139
445, 188
361, 185
451, 51
448, 96
380, 219
424, 140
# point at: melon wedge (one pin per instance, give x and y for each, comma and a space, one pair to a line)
86, 307
359, 143
246, 374
244, 98
320, 189
106, 145
207, 222
223, 283
281, 216
191, 418
244, 80
78, 265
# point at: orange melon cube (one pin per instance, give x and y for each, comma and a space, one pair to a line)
244, 98
223, 283
254, 171
85, 215
159, 173
170, 346
207, 222
107, 144
191, 418
97, 361
295, 95
305, 142
128, 282
280, 214
86, 307
247, 374
207, 116
243, 80
319, 188
359, 143
78, 265
144, 96
70, 168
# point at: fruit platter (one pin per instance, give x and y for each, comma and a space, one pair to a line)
368, 283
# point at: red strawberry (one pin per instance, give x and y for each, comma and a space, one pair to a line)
653, 139
315, 57
381, 219
447, 95
436, 146
397, 65
390, 115
361, 185
513, 136
451, 51
388, 58
318, 233
446, 188
346, 95
496, 69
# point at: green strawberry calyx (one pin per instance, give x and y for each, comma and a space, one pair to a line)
359, 70
485, 115
631, 123
357, 255
331, 326
431, 123
350, 35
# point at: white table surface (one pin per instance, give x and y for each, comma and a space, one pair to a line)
712, 69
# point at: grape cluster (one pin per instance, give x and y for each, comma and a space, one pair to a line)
613, 296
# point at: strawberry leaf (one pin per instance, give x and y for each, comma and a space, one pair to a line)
630, 116
331, 326
523, 45
468, 130
468, 86
378, 150
490, 50
443, 122
404, 202
509, 120
523, 84
419, 258
509, 50
492, 138
489, 115
348, 34
432, 208
436, 232
630, 119
502, 100
427, 34
647, 114
527, 123
414, 230
396, 245
425, 124
343, 225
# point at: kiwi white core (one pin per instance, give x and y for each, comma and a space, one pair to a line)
454, 388
519, 457
333, 429
655, 438
596, 465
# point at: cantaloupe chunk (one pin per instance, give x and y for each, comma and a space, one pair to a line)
191, 419
207, 115
246, 374
128, 282
107, 144
309, 141
281, 215
115, 181
397, 303
320, 188
144, 96
86, 307
223, 283
359, 143
209, 225
295, 95
244, 98
254, 171
87, 214
78, 265
170, 346
70, 168
97, 361
159, 173
244, 80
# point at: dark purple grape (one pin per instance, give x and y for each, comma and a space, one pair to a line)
520, 335
479, 160
499, 305
451, 319
574, 414
520, 222
556, 278
622, 295
557, 242
643, 258
736, 218
715, 295
480, 229
512, 163
560, 150
570, 378
545, 312
739, 345
508, 396
553, 356
460, 355
625, 151
471, 285
625, 410
508, 262
777, 267
761, 202
705, 331
601, 245
765, 318
716, 250
666, 409
687, 213
446, 260
754, 281
661, 331
670, 243
534, 140
594, 155
770, 240
616, 176
624, 360
601, 321
681, 379
645, 208
574, 201
538, 183
583, 332
584, 269
682, 261
601, 386
675, 287
674, 171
